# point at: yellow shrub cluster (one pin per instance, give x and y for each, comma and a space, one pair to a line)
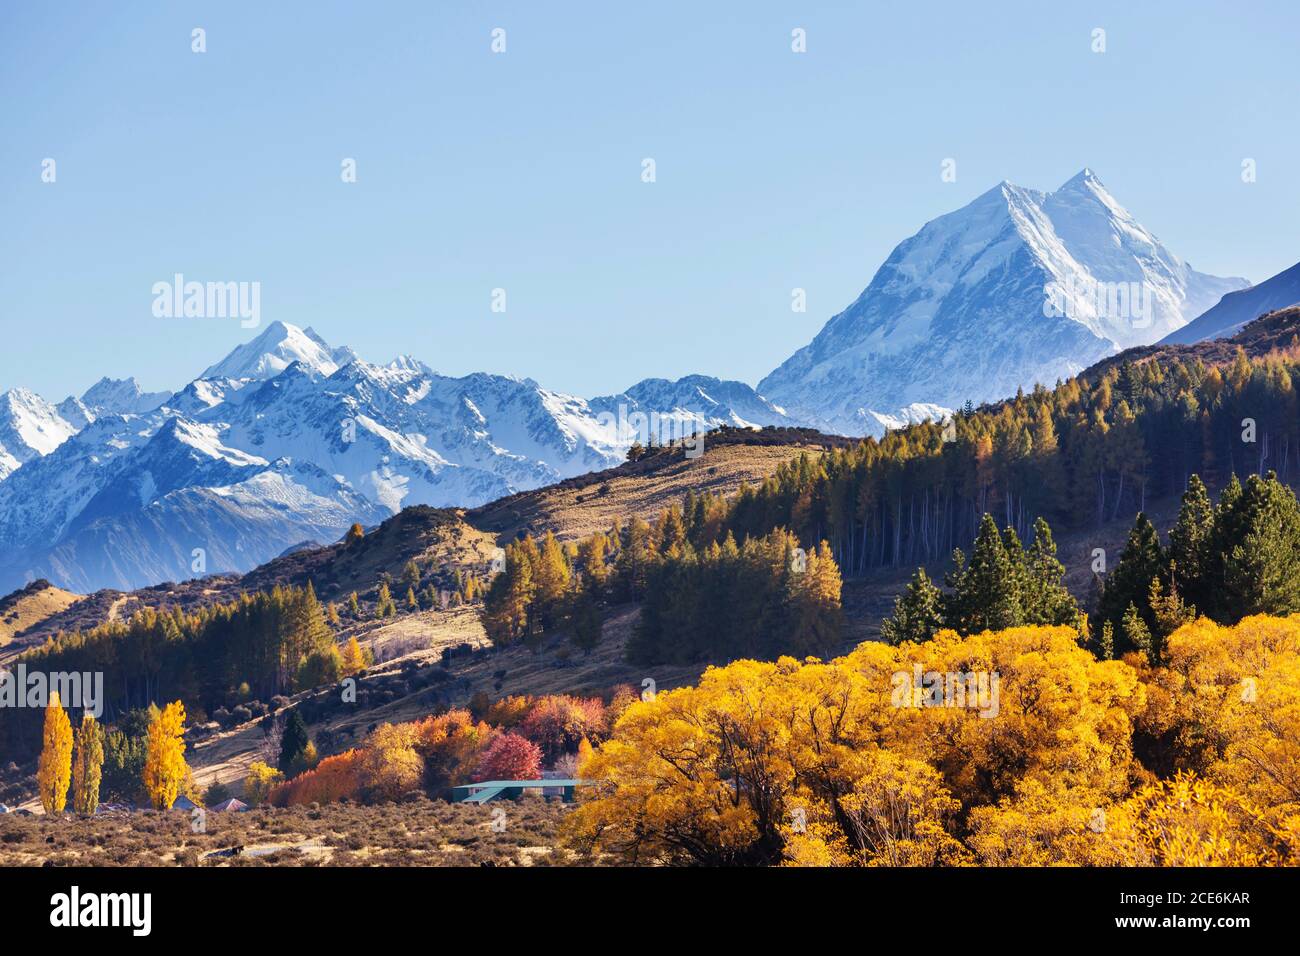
1015, 747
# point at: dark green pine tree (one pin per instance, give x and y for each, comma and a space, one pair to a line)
1189, 543
293, 743
1130, 583
984, 597
1225, 533
1044, 597
693, 514
672, 530
585, 621
1019, 567
918, 612
1261, 561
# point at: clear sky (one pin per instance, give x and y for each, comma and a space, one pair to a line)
522, 170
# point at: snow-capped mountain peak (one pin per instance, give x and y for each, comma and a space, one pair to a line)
121, 396
274, 350
1017, 287
289, 438
29, 428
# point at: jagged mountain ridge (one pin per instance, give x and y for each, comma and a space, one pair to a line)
287, 440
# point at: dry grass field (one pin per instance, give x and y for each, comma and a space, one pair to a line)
27, 608
582, 506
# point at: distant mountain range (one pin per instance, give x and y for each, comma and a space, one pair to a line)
288, 439
1018, 287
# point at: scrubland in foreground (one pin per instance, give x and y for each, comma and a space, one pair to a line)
415, 831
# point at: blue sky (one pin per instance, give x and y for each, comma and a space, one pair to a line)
522, 170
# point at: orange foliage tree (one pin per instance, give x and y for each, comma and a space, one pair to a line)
334, 778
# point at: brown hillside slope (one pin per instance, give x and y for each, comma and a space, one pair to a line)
590, 503
28, 608
444, 540
1273, 332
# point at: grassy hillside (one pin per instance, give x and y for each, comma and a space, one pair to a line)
575, 508
25, 610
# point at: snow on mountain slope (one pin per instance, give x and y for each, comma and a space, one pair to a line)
41, 500
289, 439
121, 397
273, 351
694, 398
1238, 308
110, 396
29, 428
1015, 288
237, 527
912, 414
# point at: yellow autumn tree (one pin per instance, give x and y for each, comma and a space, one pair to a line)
1226, 705
54, 770
165, 769
585, 750
762, 763
1217, 742
87, 768
1056, 714
1192, 822
260, 781
354, 657
392, 765
855, 762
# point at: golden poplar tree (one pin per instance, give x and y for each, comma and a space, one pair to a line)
87, 769
54, 770
165, 769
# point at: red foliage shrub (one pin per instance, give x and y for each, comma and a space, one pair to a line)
557, 724
509, 757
